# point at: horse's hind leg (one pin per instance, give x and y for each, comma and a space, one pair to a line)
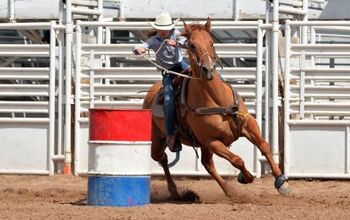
159, 155
208, 163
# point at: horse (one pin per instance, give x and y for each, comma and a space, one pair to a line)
216, 115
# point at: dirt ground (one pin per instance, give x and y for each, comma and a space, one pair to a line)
64, 197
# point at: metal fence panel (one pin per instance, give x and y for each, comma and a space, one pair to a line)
316, 106
27, 106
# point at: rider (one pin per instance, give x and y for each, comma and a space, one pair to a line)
165, 43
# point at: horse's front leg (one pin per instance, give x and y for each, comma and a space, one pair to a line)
171, 184
252, 133
208, 163
159, 155
222, 151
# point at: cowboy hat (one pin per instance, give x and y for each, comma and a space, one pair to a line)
164, 22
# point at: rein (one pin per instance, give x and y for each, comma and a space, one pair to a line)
166, 70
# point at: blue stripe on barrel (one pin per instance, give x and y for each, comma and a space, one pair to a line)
118, 190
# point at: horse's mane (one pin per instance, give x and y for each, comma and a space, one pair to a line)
196, 26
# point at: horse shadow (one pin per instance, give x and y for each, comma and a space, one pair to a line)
186, 197
80, 202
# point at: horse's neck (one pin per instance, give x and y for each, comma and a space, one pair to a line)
213, 92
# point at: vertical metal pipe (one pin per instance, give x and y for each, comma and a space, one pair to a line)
267, 73
52, 81
305, 18
68, 87
286, 97
275, 98
347, 150
237, 6
107, 57
312, 60
100, 19
92, 79
259, 58
312, 41
11, 11
121, 10
77, 99
258, 102
61, 12
108, 41
304, 38
302, 85
60, 93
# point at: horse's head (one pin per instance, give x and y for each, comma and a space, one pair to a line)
201, 49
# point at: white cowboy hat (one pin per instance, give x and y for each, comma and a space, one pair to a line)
164, 22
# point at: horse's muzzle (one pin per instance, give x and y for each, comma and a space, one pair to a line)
207, 71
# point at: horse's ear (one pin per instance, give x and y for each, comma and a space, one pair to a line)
186, 29
207, 25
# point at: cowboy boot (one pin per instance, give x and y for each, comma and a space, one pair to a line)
173, 143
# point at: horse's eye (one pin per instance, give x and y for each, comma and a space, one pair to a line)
192, 46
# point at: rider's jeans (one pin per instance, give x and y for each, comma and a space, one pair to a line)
169, 104
169, 107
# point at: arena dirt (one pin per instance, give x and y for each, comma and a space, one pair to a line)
64, 197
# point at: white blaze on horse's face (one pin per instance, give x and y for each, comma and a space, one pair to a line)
205, 54
202, 48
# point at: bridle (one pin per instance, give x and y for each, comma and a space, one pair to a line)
198, 60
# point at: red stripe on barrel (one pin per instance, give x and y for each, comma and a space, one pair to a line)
120, 125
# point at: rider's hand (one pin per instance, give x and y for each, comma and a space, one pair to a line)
136, 51
171, 42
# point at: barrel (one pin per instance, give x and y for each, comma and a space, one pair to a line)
119, 164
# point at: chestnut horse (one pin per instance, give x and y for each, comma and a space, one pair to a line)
211, 116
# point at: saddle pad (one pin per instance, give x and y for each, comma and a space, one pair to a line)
157, 110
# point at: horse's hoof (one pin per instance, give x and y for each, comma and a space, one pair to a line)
241, 178
284, 189
281, 184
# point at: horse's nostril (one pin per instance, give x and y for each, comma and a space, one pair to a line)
204, 70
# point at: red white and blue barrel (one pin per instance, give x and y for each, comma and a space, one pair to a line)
119, 157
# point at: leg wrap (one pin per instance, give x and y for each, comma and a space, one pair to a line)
280, 180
